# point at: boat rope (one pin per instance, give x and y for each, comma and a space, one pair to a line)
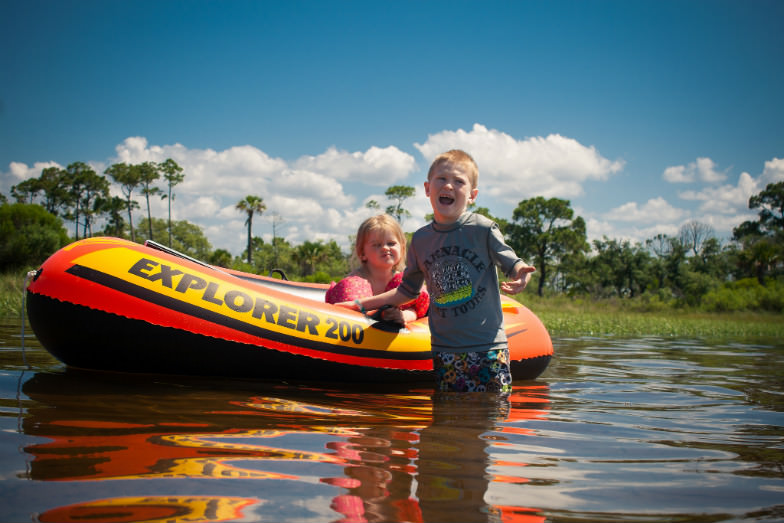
278, 271
20, 409
168, 250
29, 276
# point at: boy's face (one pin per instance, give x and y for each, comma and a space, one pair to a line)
450, 192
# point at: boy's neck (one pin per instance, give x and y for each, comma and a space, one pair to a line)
447, 223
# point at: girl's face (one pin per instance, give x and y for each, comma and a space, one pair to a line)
450, 192
381, 250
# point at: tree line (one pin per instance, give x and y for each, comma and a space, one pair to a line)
32, 228
693, 268
80, 195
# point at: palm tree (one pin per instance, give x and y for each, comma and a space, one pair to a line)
128, 179
148, 173
311, 253
250, 205
173, 175
399, 193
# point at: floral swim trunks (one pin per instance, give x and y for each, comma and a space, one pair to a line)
486, 371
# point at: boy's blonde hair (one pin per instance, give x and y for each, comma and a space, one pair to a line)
459, 157
380, 223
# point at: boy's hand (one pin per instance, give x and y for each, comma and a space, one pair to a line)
394, 315
517, 285
391, 314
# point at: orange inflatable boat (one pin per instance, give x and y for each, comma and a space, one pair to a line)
111, 304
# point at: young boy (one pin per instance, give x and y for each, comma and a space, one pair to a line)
456, 255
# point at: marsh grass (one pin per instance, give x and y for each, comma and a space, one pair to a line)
11, 285
565, 316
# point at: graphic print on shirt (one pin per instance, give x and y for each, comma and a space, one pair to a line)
452, 280
455, 276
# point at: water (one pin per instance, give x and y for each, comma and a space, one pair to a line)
616, 429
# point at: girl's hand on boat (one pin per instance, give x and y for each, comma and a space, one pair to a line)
348, 305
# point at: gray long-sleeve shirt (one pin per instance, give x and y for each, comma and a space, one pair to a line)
458, 262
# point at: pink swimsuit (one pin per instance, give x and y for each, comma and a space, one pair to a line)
353, 287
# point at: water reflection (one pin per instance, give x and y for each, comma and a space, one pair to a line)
151, 509
633, 430
453, 458
406, 456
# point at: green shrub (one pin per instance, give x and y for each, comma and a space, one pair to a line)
30, 234
318, 277
772, 298
695, 286
745, 295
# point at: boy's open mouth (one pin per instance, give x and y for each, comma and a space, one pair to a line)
445, 200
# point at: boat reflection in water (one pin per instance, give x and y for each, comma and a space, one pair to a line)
151, 509
346, 455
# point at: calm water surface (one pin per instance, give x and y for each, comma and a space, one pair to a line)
646, 430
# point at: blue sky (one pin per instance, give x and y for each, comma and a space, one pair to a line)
644, 115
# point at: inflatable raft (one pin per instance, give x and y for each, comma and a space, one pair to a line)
111, 304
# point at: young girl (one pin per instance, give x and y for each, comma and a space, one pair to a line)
381, 250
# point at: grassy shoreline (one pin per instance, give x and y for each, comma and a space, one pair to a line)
566, 317
11, 286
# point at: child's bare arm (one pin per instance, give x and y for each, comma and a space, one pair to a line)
521, 279
390, 297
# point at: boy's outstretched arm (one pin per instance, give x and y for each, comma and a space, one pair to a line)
390, 297
522, 277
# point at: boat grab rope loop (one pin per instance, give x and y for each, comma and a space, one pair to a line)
31, 275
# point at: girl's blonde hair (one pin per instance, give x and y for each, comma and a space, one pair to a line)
372, 225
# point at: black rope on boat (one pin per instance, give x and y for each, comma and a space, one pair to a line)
168, 250
29, 276
279, 271
174, 252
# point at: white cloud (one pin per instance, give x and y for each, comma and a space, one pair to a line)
703, 170
640, 234
724, 223
772, 173
376, 166
722, 207
726, 199
297, 208
233, 235
216, 180
677, 174
19, 172
513, 170
323, 196
318, 186
202, 207
234, 172
655, 210
598, 229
